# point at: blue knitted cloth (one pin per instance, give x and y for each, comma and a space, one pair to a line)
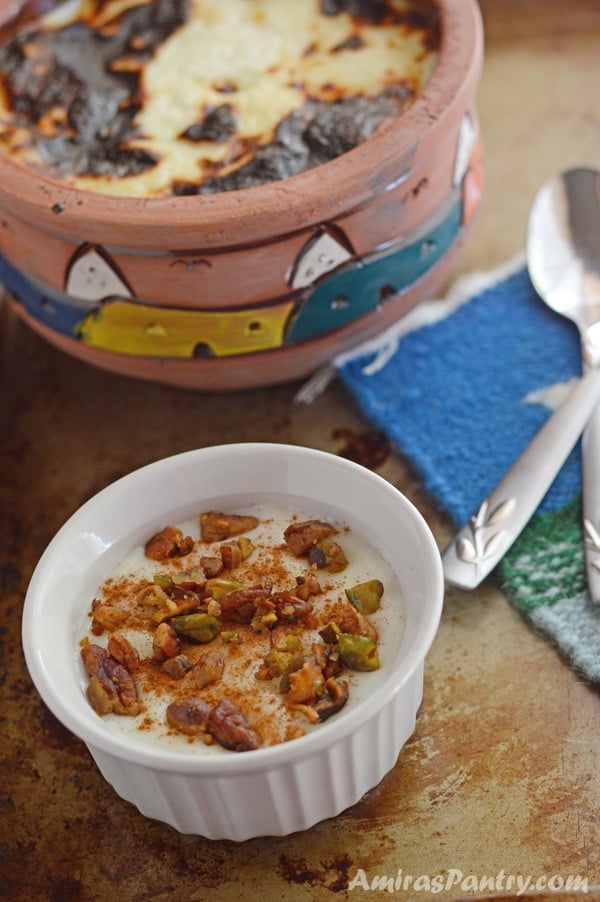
460, 395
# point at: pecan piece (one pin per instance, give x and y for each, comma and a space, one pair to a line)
307, 586
169, 542
229, 727
188, 715
106, 617
177, 667
111, 688
350, 620
239, 605
290, 607
300, 537
306, 683
216, 526
231, 555
334, 700
165, 643
92, 657
123, 651
211, 566
208, 669
127, 691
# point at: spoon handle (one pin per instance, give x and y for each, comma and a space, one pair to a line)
490, 532
591, 503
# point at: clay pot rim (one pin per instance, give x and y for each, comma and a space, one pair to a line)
278, 208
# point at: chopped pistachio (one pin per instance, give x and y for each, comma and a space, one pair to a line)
358, 652
231, 636
218, 587
296, 662
279, 661
201, 628
246, 547
327, 555
289, 643
366, 597
152, 595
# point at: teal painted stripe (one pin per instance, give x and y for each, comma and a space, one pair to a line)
362, 285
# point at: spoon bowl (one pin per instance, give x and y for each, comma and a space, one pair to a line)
563, 250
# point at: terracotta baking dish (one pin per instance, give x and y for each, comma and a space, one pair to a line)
203, 291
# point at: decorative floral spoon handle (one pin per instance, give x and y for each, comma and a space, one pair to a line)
490, 532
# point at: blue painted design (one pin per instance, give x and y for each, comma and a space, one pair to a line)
50, 307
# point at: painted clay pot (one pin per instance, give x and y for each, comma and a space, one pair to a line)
262, 285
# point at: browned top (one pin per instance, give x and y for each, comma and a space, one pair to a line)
317, 194
223, 96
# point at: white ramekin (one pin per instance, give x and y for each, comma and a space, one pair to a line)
269, 791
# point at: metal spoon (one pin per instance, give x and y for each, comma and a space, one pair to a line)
563, 252
564, 262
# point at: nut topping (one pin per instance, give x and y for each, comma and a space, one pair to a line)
300, 537
215, 526
245, 628
188, 715
168, 543
229, 727
111, 687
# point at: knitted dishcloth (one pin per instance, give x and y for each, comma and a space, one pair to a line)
460, 387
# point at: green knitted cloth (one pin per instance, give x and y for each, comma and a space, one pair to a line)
545, 564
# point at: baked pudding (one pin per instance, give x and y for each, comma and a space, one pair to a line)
179, 97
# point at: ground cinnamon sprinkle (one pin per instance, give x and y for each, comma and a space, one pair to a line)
245, 640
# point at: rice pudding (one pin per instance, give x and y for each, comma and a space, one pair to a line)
239, 631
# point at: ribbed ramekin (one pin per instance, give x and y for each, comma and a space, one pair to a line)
274, 790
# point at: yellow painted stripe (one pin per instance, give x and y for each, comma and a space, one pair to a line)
143, 330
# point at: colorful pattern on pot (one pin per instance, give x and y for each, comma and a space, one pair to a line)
331, 286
